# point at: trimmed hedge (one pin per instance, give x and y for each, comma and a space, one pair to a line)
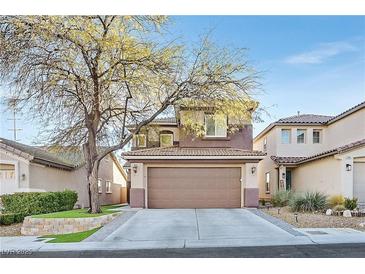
31, 203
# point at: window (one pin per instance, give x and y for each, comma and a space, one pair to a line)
7, 171
100, 189
317, 136
166, 140
265, 143
301, 136
140, 140
285, 136
108, 187
215, 126
267, 182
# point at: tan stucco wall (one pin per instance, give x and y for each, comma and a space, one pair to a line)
322, 175
347, 130
42, 178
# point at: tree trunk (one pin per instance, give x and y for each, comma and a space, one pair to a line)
92, 170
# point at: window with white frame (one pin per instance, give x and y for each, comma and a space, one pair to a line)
7, 171
100, 187
317, 136
140, 140
215, 125
265, 143
108, 187
166, 139
267, 182
301, 136
285, 136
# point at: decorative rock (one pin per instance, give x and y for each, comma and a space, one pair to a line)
347, 213
362, 224
329, 212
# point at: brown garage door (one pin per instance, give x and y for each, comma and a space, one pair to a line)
194, 187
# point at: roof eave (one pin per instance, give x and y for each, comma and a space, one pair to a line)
130, 157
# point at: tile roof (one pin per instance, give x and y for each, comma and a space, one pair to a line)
305, 119
310, 119
300, 160
192, 152
38, 154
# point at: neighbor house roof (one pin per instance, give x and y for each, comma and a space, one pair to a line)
55, 156
193, 153
36, 154
310, 119
300, 160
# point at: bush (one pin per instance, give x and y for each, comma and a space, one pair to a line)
281, 198
350, 204
310, 201
7, 219
336, 200
32, 203
338, 208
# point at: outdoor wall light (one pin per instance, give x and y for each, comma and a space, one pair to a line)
348, 167
253, 170
283, 175
135, 168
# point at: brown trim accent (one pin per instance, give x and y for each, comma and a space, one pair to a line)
251, 197
207, 138
137, 197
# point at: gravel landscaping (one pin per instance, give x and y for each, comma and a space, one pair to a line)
313, 220
10, 230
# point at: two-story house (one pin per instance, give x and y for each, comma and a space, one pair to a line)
314, 153
170, 168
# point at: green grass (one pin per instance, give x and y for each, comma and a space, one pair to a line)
78, 213
71, 237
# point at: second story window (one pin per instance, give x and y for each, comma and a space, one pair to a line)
317, 136
285, 136
140, 140
215, 126
265, 143
166, 140
301, 136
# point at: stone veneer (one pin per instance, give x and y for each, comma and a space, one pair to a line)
48, 226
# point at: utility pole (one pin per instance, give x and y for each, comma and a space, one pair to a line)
14, 119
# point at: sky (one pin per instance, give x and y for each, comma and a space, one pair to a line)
311, 64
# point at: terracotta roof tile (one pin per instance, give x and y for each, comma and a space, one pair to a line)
179, 151
305, 119
300, 160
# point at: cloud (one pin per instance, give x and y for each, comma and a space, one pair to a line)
320, 54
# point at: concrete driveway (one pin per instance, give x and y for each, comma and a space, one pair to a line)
201, 228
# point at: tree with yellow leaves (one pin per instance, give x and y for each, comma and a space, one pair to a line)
85, 78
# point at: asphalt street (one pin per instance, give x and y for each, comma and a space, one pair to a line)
291, 251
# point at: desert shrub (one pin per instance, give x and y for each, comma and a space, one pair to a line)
31, 203
338, 208
281, 198
310, 201
7, 219
336, 200
350, 204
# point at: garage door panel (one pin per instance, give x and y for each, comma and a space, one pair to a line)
194, 187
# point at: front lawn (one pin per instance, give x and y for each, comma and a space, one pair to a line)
79, 213
316, 219
71, 237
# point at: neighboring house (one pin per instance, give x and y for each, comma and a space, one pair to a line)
314, 153
26, 168
172, 169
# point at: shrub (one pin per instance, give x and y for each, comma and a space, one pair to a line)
281, 198
338, 208
336, 200
31, 203
350, 204
310, 201
7, 219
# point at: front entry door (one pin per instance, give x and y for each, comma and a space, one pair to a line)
288, 180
